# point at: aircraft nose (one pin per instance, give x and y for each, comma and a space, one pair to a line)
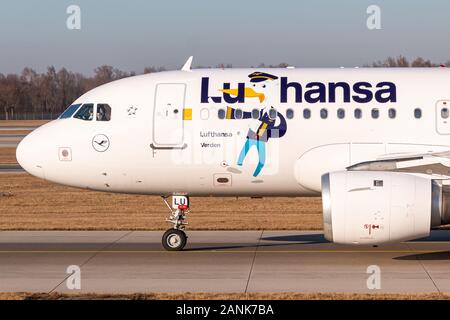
29, 155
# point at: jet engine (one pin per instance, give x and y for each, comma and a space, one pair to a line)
374, 207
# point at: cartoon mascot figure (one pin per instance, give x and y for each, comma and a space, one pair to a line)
267, 122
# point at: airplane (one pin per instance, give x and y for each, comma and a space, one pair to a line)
374, 143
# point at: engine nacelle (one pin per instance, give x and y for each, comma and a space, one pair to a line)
373, 207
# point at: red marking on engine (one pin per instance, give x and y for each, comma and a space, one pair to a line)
370, 227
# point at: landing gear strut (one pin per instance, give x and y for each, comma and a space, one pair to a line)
175, 238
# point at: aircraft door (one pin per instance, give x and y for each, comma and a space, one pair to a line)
168, 116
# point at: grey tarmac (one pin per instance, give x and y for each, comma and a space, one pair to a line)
10, 140
218, 261
11, 168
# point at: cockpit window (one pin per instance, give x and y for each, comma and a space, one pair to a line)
69, 111
86, 112
103, 112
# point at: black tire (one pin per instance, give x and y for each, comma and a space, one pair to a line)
174, 240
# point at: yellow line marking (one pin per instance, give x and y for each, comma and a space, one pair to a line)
429, 242
223, 251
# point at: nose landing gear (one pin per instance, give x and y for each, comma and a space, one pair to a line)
175, 238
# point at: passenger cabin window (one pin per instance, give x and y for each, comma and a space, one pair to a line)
255, 114
392, 113
272, 113
375, 113
306, 113
417, 113
341, 113
103, 112
289, 113
358, 113
204, 114
238, 114
86, 112
444, 113
323, 113
68, 113
221, 114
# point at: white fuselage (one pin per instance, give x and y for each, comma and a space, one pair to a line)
165, 138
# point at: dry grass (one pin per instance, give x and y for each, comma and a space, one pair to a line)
14, 123
227, 296
8, 155
29, 203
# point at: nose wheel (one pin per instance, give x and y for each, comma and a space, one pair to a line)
175, 238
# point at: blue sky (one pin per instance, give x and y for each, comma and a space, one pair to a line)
133, 34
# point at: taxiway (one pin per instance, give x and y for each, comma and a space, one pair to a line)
218, 261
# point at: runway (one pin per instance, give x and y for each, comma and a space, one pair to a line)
218, 261
11, 168
10, 140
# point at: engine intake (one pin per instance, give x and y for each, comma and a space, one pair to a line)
440, 204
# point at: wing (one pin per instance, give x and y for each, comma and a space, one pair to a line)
433, 163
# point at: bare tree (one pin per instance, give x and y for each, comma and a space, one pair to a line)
10, 94
153, 69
